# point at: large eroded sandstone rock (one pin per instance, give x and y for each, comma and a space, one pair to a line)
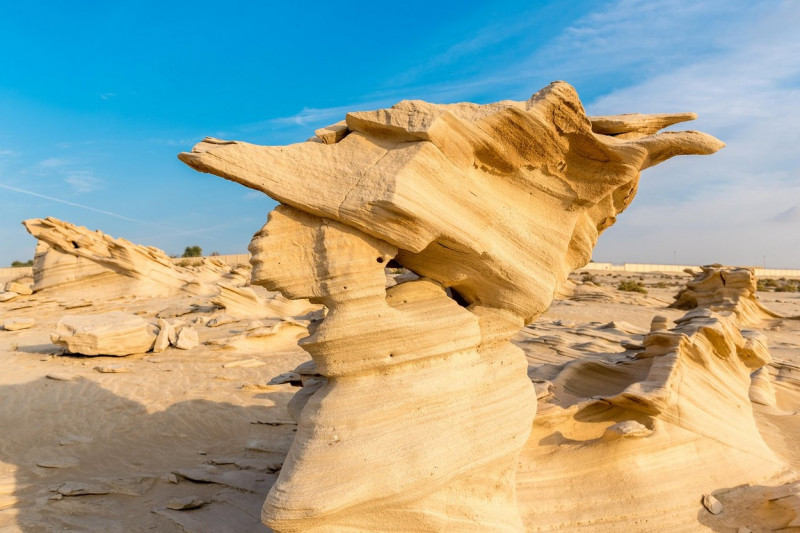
426, 404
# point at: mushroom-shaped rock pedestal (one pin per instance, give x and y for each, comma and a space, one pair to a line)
427, 404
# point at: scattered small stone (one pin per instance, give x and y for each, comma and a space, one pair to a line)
78, 488
628, 345
59, 462
220, 320
627, 429
112, 369
187, 338
172, 478
202, 452
165, 332
185, 504
56, 496
16, 324
7, 296
713, 505
60, 376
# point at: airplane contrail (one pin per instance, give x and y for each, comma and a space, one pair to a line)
81, 206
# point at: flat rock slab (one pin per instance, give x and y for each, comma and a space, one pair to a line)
115, 333
78, 488
231, 512
186, 503
112, 369
249, 480
58, 462
60, 376
19, 288
15, 324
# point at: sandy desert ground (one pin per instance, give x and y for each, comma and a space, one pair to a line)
110, 443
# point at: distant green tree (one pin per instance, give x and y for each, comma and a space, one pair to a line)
193, 251
28, 263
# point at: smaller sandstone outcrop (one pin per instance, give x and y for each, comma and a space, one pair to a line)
258, 302
115, 333
728, 290
187, 338
19, 287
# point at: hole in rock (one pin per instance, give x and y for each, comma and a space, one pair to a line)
379, 260
75, 244
459, 299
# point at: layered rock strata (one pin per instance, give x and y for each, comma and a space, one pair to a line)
660, 427
728, 290
426, 404
74, 259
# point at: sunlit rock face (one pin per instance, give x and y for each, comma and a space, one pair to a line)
725, 289
427, 404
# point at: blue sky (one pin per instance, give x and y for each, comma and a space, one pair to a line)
97, 99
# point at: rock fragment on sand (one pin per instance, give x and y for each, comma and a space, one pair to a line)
165, 333
60, 376
79, 488
15, 324
187, 338
115, 333
112, 369
627, 429
220, 320
7, 296
712, 505
58, 462
19, 288
186, 503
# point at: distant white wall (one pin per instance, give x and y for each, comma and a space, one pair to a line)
7, 274
232, 260
642, 267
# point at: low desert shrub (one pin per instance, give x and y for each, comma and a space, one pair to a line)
632, 286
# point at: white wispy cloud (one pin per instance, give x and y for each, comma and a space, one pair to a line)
724, 207
53, 162
82, 181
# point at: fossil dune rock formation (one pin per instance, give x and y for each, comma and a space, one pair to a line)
70, 258
726, 290
427, 405
658, 429
72, 261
